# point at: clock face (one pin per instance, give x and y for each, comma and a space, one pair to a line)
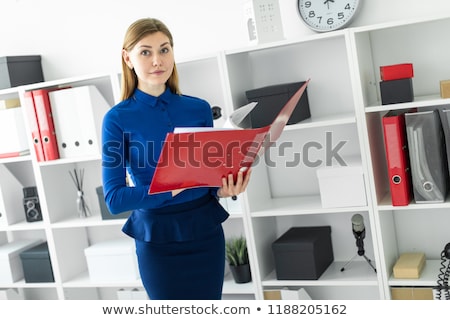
327, 15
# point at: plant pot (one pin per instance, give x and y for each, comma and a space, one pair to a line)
241, 273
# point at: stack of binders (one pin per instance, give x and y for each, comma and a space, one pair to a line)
40, 118
415, 143
65, 122
396, 83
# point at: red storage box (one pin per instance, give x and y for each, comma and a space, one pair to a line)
396, 71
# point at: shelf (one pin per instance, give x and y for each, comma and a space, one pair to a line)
231, 287
299, 206
358, 273
324, 121
16, 159
24, 225
419, 102
385, 205
428, 277
82, 280
93, 221
69, 160
23, 284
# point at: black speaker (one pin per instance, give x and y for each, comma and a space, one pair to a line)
31, 204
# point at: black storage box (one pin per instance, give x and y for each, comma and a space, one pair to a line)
106, 214
36, 263
303, 253
271, 100
20, 70
396, 91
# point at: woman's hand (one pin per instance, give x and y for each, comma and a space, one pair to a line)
230, 188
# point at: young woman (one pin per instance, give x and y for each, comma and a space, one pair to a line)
178, 234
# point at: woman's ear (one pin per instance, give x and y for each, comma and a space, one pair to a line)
126, 58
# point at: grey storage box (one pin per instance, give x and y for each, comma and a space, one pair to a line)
20, 70
106, 214
303, 253
36, 263
271, 100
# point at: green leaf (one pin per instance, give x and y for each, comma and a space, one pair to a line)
236, 251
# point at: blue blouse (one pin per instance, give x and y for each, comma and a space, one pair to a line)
133, 133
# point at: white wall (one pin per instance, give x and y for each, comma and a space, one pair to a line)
84, 36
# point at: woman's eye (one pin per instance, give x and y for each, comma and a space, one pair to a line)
164, 50
145, 53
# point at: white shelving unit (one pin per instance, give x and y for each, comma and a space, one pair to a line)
416, 227
284, 190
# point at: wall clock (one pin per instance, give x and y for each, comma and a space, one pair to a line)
327, 15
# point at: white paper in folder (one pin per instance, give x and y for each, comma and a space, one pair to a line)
78, 113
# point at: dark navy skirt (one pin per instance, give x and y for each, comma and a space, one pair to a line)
187, 269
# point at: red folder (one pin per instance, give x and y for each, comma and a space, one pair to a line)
396, 145
46, 126
34, 126
194, 159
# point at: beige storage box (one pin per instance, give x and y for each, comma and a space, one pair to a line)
11, 269
342, 186
445, 89
409, 265
412, 293
112, 261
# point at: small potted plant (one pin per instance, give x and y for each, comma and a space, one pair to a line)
237, 256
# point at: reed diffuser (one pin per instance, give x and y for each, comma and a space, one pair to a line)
77, 178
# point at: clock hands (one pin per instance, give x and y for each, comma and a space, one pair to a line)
327, 2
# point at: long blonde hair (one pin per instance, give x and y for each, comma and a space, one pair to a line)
136, 31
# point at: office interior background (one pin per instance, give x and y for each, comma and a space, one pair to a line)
78, 39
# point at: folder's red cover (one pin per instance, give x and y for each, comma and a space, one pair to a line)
194, 159
34, 126
396, 146
46, 125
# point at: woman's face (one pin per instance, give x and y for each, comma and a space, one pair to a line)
152, 59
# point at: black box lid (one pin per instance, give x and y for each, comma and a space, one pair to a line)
37, 252
274, 90
301, 238
20, 58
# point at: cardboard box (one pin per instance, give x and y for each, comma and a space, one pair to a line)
286, 294
412, 293
271, 100
10, 263
409, 265
445, 89
20, 70
36, 263
112, 261
9, 103
342, 186
303, 253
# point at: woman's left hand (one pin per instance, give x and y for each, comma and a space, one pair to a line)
230, 188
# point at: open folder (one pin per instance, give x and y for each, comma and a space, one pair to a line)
199, 158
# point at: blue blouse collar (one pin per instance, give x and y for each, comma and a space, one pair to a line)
150, 100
